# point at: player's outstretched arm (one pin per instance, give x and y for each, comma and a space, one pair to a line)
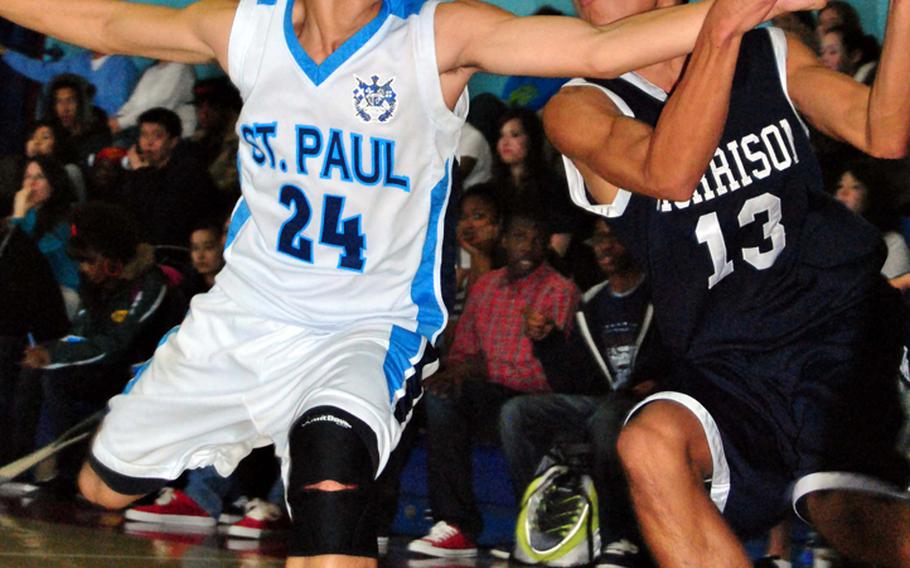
667, 161
195, 34
876, 120
476, 36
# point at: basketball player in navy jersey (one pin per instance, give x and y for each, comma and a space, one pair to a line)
320, 326
766, 290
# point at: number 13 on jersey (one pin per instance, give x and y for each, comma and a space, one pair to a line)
335, 231
708, 232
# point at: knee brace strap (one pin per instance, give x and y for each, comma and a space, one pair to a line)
328, 444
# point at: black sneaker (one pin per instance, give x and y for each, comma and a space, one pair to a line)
623, 554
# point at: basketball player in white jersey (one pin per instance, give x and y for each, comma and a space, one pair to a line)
316, 334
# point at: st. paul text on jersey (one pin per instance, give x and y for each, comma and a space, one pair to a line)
349, 157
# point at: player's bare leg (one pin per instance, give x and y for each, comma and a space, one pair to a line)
97, 491
862, 526
666, 458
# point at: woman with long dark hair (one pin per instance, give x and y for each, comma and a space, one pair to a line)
524, 176
41, 209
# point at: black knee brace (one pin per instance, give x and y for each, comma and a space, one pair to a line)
328, 444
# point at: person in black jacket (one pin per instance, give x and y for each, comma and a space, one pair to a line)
31, 309
128, 305
608, 363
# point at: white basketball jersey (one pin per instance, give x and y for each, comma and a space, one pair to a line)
345, 169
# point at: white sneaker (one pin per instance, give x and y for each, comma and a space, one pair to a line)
444, 541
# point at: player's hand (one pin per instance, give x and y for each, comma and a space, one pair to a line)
738, 16
36, 358
537, 325
784, 6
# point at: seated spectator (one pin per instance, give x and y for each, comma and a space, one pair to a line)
46, 138
478, 233
524, 177
206, 255
166, 188
491, 361
31, 309
105, 173
127, 308
68, 103
217, 107
848, 51
163, 84
40, 209
113, 76
609, 363
866, 189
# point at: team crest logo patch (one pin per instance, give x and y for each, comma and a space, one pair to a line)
374, 100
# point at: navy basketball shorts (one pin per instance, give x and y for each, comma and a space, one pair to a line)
819, 413
228, 381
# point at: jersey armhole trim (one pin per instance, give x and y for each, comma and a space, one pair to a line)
779, 45
428, 71
577, 188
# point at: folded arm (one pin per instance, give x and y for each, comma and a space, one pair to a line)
666, 161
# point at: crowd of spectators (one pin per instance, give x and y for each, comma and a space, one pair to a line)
121, 174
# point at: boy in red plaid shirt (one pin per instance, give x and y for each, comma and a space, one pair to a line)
491, 361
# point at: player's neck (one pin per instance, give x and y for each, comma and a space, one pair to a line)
323, 25
664, 74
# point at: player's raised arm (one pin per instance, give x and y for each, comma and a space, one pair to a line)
667, 161
478, 36
876, 120
195, 34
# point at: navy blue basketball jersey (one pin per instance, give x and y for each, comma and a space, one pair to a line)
759, 254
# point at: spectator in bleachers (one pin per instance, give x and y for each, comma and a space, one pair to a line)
113, 76
217, 107
523, 174
40, 209
478, 232
68, 103
866, 188
127, 307
163, 84
105, 173
167, 189
207, 256
491, 361
31, 308
46, 138
850, 52
610, 362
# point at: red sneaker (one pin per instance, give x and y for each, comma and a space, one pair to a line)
172, 507
444, 541
261, 518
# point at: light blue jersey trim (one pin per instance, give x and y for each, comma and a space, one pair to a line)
430, 311
238, 219
321, 72
129, 386
404, 346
